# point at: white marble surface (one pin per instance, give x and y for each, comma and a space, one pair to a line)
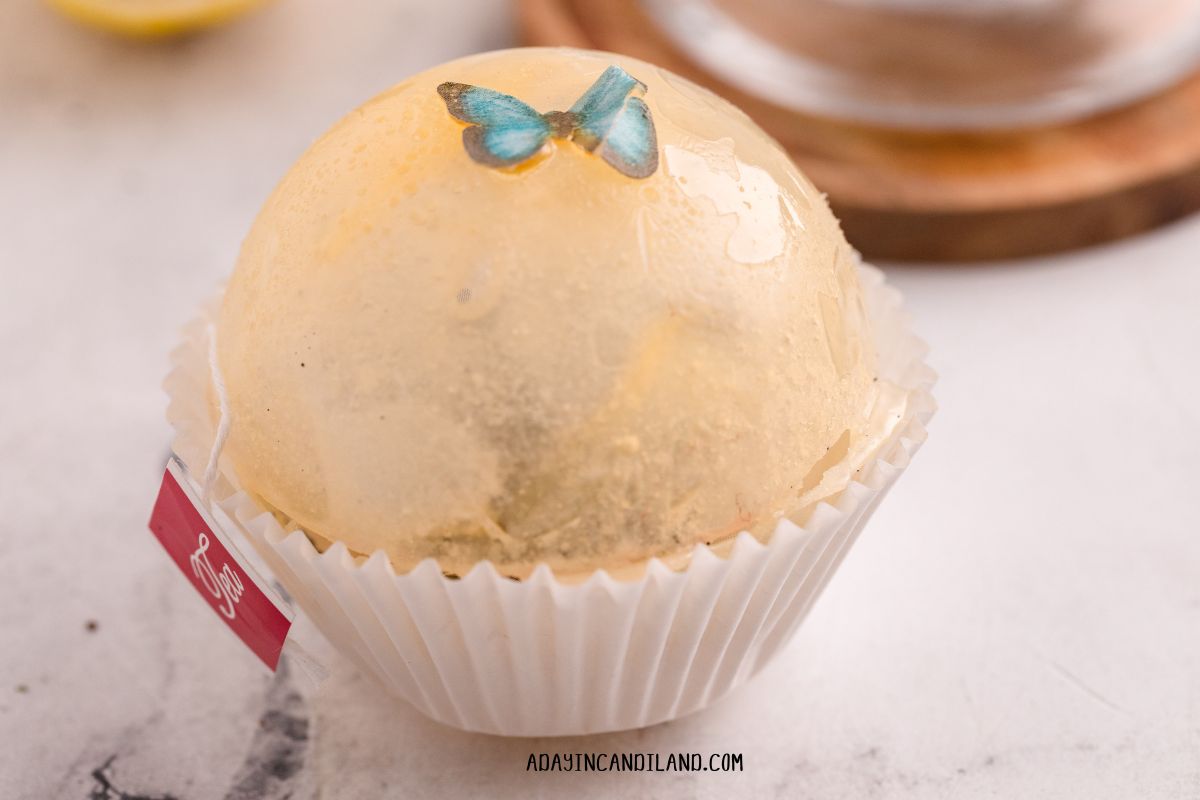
1020, 620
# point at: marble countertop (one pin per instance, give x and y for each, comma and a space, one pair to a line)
1021, 619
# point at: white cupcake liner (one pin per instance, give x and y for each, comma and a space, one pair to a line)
543, 658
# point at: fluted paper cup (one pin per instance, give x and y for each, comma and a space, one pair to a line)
540, 657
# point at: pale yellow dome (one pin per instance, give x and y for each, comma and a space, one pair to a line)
551, 362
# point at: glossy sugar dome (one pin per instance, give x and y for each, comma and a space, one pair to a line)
553, 362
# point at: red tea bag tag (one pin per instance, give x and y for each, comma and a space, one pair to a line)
185, 527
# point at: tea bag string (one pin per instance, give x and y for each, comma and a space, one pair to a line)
218, 381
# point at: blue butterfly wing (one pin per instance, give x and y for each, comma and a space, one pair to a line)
504, 147
487, 107
599, 107
504, 130
631, 145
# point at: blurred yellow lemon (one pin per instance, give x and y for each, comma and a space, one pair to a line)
153, 18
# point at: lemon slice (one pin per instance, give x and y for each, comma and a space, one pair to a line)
151, 19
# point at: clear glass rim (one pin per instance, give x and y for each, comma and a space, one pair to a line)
723, 46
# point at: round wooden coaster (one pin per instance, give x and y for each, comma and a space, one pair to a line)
948, 196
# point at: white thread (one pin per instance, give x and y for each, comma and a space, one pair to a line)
214, 455
310, 665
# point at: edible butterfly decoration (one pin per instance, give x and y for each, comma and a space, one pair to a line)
610, 119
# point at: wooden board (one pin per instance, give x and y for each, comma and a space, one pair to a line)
948, 196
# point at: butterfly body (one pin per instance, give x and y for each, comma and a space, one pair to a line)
609, 119
562, 123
